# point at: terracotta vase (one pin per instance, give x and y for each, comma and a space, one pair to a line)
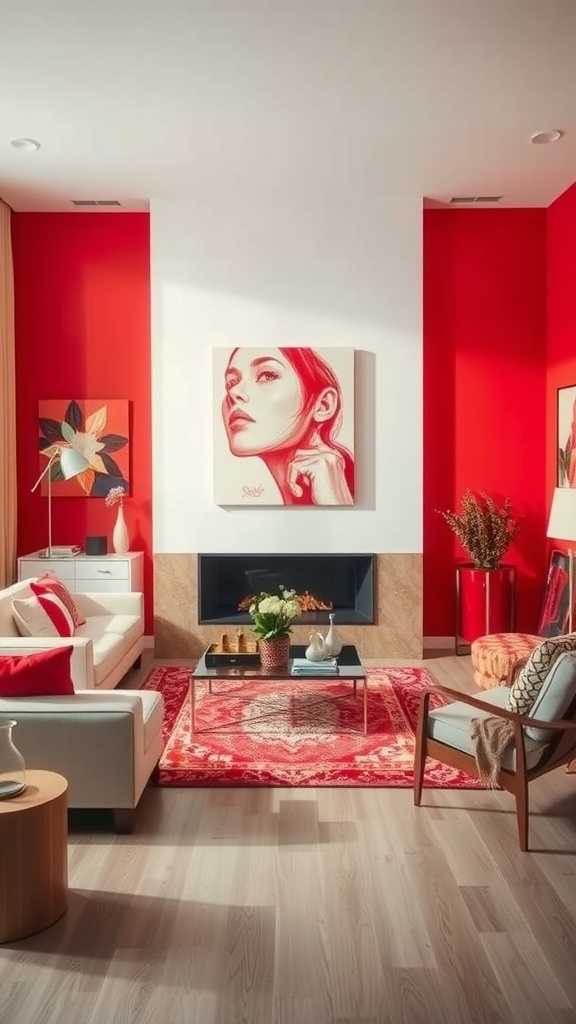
274, 653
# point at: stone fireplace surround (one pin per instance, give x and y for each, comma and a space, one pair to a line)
396, 633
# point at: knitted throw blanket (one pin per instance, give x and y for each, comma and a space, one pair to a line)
492, 737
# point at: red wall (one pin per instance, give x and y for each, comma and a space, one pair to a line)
561, 285
82, 295
83, 330
484, 390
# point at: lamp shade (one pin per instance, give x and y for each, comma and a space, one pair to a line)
72, 463
562, 521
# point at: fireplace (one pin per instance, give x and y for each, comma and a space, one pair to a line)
345, 581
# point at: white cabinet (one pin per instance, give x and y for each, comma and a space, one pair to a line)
84, 573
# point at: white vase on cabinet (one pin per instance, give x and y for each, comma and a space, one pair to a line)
120, 535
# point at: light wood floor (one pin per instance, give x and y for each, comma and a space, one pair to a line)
312, 906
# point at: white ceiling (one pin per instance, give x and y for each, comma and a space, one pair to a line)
343, 101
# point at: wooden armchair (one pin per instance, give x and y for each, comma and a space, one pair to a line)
543, 740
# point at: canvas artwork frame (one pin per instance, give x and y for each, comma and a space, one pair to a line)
566, 436
99, 429
283, 422
554, 610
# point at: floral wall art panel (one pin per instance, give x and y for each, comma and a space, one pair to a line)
566, 434
96, 428
555, 607
283, 426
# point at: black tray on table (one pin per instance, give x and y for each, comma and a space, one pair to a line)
215, 656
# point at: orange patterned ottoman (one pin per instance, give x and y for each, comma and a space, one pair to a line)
494, 655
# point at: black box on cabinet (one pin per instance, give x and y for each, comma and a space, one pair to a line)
96, 545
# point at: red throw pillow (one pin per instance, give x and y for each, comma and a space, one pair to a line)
44, 674
50, 584
56, 611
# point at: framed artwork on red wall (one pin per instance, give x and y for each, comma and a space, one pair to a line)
283, 426
554, 610
98, 429
566, 436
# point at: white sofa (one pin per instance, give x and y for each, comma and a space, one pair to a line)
105, 742
105, 648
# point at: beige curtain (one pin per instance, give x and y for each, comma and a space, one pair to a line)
7, 405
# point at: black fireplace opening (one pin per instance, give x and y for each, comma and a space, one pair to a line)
347, 582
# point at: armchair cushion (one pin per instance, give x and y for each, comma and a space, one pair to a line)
451, 725
530, 680
556, 696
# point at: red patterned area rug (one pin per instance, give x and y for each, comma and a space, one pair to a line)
296, 732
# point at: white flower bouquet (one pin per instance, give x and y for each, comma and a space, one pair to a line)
272, 614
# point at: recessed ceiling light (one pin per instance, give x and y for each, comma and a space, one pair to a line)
541, 138
29, 145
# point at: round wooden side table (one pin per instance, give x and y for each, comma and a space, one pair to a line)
33, 856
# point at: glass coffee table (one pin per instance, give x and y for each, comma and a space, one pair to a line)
348, 667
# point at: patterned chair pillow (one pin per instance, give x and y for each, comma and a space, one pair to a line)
531, 678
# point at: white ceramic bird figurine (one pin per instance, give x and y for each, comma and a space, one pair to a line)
315, 650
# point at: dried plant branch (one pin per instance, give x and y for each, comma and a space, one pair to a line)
484, 530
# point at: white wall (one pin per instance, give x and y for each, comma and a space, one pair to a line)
288, 273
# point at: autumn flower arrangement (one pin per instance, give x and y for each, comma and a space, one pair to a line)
272, 614
484, 529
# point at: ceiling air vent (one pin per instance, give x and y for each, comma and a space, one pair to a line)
471, 200
96, 202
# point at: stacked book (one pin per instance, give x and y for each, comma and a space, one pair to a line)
302, 667
61, 551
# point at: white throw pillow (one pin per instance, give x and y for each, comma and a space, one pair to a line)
42, 617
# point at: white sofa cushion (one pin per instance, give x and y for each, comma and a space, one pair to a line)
112, 636
127, 627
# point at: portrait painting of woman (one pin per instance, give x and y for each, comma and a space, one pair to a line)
284, 426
